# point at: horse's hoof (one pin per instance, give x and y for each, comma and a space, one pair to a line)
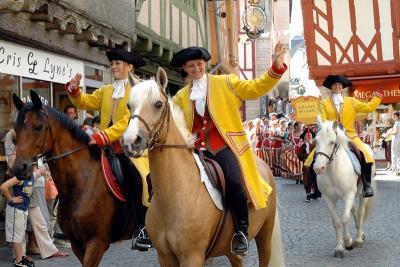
359, 244
351, 247
338, 254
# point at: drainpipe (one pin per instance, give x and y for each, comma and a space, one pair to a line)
216, 18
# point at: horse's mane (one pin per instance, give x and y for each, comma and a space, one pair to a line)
149, 90
180, 123
64, 120
343, 140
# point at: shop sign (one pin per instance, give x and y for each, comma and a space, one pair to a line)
306, 109
389, 90
28, 99
32, 63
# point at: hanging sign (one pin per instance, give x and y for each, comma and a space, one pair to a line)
306, 109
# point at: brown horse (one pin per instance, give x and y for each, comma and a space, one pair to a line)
88, 214
182, 219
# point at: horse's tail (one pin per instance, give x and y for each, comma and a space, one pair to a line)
277, 255
371, 201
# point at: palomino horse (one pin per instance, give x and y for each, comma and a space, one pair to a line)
182, 219
88, 213
337, 180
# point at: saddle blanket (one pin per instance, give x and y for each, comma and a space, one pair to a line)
214, 193
110, 179
354, 161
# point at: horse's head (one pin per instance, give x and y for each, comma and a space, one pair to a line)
32, 134
328, 140
148, 104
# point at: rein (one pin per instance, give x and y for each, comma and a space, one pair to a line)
154, 134
53, 158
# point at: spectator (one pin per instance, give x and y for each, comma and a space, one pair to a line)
36, 216
265, 123
71, 112
395, 144
96, 124
287, 107
273, 120
16, 216
279, 107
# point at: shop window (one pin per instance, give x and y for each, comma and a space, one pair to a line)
93, 74
61, 99
8, 87
42, 88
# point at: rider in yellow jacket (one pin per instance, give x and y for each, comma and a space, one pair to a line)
111, 101
344, 110
210, 104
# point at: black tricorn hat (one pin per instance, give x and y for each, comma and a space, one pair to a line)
190, 53
130, 57
331, 79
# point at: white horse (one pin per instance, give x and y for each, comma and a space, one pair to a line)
337, 180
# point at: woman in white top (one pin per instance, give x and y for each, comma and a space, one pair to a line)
395, 142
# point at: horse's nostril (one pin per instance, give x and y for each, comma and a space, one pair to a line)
138, 140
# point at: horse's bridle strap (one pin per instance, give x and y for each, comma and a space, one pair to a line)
332, 156
154, 134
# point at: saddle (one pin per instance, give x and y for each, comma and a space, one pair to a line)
355, 156
214, 172
217, 178
112, 172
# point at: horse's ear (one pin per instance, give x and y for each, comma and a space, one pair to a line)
162, 78
37, 103
319, 121
18, 102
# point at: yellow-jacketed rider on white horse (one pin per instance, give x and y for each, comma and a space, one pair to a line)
344, 110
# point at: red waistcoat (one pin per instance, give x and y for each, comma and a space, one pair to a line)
208, 137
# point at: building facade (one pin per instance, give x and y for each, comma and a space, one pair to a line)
361, 40
255, 56
224, 36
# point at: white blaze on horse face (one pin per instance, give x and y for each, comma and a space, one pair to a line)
132, 131
321, 161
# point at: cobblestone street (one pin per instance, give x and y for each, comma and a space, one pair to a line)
307, 231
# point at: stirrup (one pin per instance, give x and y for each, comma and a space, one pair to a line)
239, 234
367, 195
140, 246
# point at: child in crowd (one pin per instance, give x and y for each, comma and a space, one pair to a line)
17, 215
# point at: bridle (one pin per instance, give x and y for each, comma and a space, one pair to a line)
44, 144
154, 133
333, 154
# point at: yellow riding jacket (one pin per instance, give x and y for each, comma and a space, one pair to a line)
113, 111
224, 96
347, 115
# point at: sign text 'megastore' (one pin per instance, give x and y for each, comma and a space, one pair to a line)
390, 92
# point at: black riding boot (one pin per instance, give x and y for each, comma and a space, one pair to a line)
141, 240
239, 209
366, 173
132, 188
235, 199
